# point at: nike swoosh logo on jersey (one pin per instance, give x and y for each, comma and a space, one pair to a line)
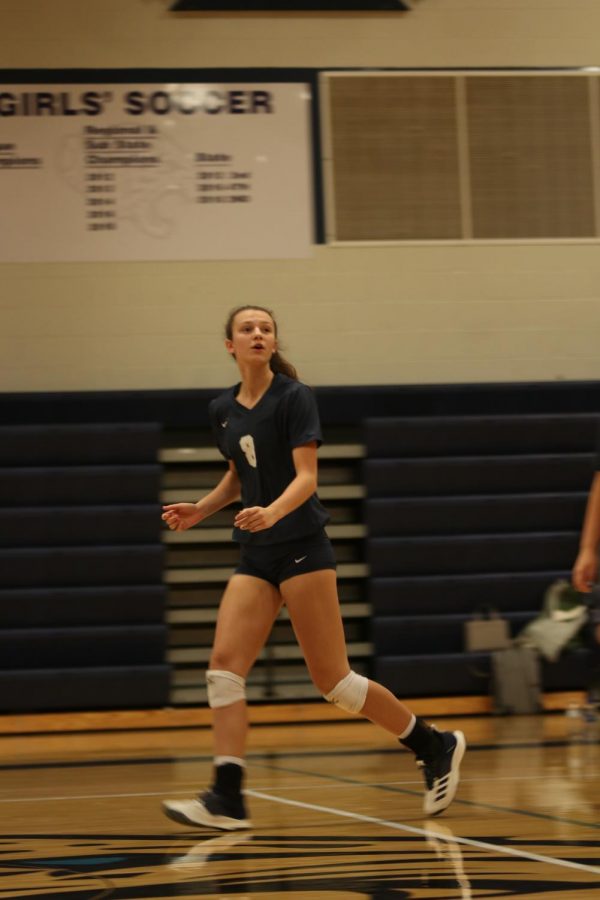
225, 423
299, 560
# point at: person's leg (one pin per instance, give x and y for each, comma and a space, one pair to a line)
248, 609
314, 610
592, 633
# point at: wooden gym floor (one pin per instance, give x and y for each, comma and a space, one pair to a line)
336, 809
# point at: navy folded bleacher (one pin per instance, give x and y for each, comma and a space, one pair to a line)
102, 687
434, 594
455, 674
465, 513
78, 647
82, 599
411, 635
471, 553
77, 444
84, 566
76, 485
475, 514
467, 474
99, 605
83, 525
480, 435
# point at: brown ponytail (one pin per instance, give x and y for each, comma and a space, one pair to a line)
278, 363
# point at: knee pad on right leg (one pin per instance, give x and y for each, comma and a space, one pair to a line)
350, 693
224, 688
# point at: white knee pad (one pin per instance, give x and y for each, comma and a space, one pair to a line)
350, 693
224, 688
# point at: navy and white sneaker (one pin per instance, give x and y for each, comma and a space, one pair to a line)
211, 810
442, 772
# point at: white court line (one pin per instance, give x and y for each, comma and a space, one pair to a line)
428, 832
411, 829
286, 787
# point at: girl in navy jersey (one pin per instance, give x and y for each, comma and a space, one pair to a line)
267, 428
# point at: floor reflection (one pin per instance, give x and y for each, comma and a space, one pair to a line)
442, 841
298, 863
319, 865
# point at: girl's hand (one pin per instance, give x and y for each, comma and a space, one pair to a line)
181, 516
255, 518
585, 570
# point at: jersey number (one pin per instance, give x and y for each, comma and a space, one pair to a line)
247, 445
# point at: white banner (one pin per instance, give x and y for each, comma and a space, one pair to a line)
155, 172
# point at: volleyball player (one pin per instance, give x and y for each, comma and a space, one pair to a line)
585, 579
267, 428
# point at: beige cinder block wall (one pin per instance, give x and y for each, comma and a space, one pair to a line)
378, 315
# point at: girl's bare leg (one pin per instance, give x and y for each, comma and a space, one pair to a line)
314, 609
248, 609
246, 615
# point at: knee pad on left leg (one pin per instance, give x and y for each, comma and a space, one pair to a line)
350, 693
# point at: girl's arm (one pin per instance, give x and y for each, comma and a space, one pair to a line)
181, 516
257, 518
585, 570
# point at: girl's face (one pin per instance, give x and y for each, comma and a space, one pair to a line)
253, 337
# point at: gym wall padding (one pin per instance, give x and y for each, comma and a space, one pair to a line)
82, 599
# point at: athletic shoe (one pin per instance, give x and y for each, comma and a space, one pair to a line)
441, 772
211, 810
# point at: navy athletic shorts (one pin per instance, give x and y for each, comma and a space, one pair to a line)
278, 562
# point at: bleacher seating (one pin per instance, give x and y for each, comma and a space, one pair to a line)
464, 513
464, 509
82, 601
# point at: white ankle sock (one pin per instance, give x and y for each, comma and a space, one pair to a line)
236, 760
408, 728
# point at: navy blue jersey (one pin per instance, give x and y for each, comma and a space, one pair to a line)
260, 443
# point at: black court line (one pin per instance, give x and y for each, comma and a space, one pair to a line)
290, 754
457, 801
272, 765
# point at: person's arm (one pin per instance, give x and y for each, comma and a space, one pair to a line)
181, 516
303, 486
585, 570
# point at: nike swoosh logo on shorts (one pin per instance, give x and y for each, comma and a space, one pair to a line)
299, 560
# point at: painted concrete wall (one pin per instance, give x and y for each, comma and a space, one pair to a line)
362, 315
